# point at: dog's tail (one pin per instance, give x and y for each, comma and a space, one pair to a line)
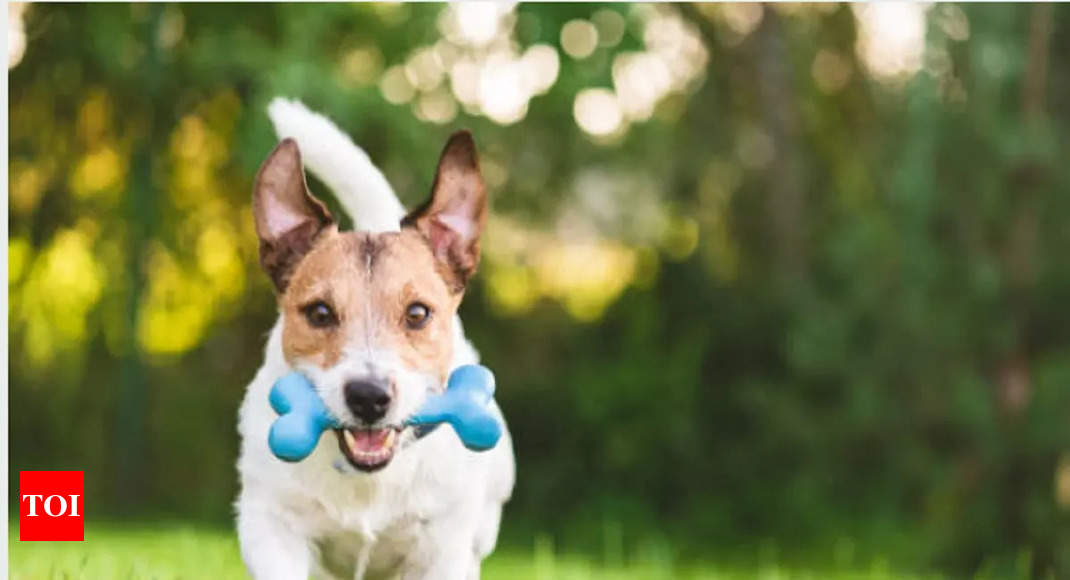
330, 154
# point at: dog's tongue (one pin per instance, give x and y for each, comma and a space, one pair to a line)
366, 440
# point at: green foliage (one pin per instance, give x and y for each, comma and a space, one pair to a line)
799, 303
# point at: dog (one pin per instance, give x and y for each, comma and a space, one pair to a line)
370, 317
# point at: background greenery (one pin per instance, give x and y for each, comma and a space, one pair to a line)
787, 302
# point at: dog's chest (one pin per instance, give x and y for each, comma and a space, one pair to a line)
341, 553
372, 523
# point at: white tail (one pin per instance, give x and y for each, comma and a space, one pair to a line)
345, 168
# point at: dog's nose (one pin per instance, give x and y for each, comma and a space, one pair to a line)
368, 400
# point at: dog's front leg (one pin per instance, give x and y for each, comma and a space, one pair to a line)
446, 551
271, 549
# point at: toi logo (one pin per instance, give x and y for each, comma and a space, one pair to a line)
51, 506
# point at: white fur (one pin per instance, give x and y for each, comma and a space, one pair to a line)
345, 168
433, 512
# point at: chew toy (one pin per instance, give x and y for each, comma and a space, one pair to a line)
465, 405
302, 418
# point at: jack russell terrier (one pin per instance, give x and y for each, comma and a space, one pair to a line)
370, 318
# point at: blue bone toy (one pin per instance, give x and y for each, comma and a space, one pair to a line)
302, 418
465, 405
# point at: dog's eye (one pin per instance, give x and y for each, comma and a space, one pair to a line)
320, 314
417, 315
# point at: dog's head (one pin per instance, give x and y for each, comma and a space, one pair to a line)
367, 317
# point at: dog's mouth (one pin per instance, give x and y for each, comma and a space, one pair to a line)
368, 449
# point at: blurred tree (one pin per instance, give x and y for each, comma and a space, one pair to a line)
789, 273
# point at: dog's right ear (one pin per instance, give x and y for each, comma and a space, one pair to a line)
288, 217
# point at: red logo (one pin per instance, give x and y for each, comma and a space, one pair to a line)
51, 506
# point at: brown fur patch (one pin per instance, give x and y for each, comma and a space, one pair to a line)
370, 280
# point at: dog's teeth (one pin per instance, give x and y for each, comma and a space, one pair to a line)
359, 452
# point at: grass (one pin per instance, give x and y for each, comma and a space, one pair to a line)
184, 551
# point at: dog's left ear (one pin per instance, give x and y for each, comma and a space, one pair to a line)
453, 218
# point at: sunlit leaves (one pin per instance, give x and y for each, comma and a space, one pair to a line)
584, 275
182, 300
27, 181
99, 174
63, 283
190, 287
19, 252
55, 290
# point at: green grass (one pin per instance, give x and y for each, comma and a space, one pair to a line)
188, 552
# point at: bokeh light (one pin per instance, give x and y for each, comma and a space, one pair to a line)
597, 112
891, 37
473, 23
611, 27
579, 38
831, 71
396, 86
503, 94
16, 33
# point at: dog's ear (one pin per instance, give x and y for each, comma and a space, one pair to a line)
288, 217
453, 218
